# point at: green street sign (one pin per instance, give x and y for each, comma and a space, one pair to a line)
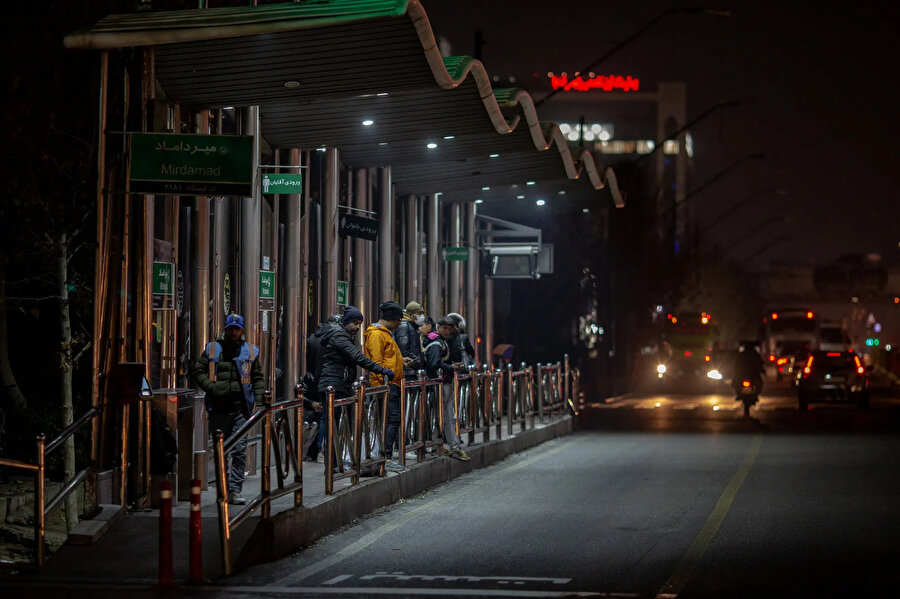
163, 285
281, 183
174, 164
343, 292
266, 290
455, 253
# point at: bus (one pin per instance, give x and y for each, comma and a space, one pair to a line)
689, 341
787, 334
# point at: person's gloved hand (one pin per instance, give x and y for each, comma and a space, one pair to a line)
388, 373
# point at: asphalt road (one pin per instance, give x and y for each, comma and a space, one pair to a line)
671, 500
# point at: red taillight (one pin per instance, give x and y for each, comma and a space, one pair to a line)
688, 353
745, 383
774, 315
808, 367
860, 370
771, 357
782, 361
809, 314
859, 366
833, 354
706, 358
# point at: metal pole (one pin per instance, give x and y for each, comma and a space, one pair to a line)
222, 503
385, 236
250, 234
471, 271
291, 274
101, 257
219, 262
433, 301
298, 447
265, 476
454, 291
39, 492
360, 246
304, 263
329, 441
330, 231
200, 332
411, 245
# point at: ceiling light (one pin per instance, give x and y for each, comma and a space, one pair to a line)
520, 197
228, 108
479, 201
564, 127
291, 84
604, 135
529, 183
494, 155
572, 135
431, 145
485, 188
561, 192
595, 128
320, 149
368, 122
588, 136
540, 202
382, 143
449, 136
381, 94
585, 209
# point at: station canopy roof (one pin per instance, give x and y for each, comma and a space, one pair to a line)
319, 70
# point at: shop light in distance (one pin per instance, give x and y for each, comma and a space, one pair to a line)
431, 145
540, 202
368, 123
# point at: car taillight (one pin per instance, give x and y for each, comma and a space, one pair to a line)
859, 366
706, 358
771, 357
782, 361
745, 383
808, 368
688, 353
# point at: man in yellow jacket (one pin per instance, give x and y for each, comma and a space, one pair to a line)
383, 350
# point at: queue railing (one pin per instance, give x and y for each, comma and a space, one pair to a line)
520, 397
550, 389
42, 507
487, 408
463, 402
420, 416
277, 421
343, 437
374, 402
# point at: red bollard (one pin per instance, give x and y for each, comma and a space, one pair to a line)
195, 537
165, 534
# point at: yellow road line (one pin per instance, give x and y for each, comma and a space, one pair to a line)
695, 552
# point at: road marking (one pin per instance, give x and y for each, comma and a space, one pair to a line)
363, 542
695, 552
405, 591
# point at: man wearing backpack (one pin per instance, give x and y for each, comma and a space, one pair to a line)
437, 363
231, 376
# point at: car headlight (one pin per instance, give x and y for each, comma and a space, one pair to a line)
661, 369
714, 374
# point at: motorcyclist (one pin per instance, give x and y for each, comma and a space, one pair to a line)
748, 367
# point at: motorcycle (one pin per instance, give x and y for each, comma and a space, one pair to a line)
748, 393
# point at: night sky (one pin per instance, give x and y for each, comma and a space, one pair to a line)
817, 84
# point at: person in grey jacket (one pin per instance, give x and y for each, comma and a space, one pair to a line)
408, 340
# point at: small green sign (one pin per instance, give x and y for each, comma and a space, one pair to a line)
266, 290
455, 253
175, 164
343, 292
282, 183
163, 285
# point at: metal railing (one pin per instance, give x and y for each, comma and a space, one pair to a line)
463, 402
42, 507
420, 416
374, 428
520, 397
487, 405
550, 389
343, 437
276, 421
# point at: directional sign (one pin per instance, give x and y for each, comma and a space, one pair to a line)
451, 254
174, 164
266, 290
163, 286
282, 183
343, 292
358, 226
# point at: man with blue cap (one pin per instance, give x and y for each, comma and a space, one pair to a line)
230, 374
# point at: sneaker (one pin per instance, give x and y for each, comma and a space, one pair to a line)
235, 498
394, 466
459, 454
309, 459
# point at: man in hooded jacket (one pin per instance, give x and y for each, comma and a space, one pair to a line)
461, 349
341, 356
381, 347
409, 341
311, 382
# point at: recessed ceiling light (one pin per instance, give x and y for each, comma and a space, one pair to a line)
368, 122
485, 188
479, 201
291, 84
585, 209
529, 183
540, 202
562, 192
381, 94
449, 136
520, 197
382, 143
320, 149
228, 108
495, 155
431, 145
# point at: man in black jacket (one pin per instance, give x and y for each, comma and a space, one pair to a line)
230, 374
461, 349
438, 364
313, 399
409, 341
341, 356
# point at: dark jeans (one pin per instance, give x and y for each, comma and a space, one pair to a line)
236, 460
393, 421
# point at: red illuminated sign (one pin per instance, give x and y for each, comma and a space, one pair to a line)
605, 83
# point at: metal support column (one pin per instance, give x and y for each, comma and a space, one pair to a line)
433, 205
304, 261
454, 285
411, 250
251, 234
200, 332
330, 232
293, 240
488, 331
471, 272
385, 236
361, 248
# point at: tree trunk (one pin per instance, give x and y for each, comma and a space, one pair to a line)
66, 363
7, 378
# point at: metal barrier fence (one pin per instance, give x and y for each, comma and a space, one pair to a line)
520, 397
550, 389
374, 429
42, 507
275, 420
343, 437
487, 406
421, 420
465, 408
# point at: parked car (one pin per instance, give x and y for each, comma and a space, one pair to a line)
832, 377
